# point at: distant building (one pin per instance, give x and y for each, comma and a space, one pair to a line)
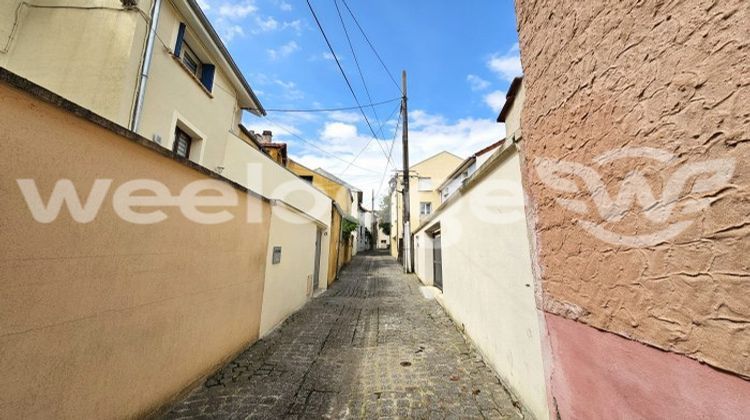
424, 178
456, 179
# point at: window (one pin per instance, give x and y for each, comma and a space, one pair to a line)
425, 184
202, 70
182, 142
190, 60
308, 178
425, 208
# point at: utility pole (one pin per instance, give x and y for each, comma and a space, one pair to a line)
374, 232
406, 242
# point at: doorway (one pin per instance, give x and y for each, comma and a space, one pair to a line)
437, 261
316, 273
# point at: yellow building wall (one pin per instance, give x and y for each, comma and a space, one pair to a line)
175, 97
110, 319
335, 254
341, 248
437, 168
89, 56
334, 190
92, 57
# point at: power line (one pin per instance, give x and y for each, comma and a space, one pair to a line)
297, 136
368, 144
390, 75
341, 69
390, 153
348, 108
359, 68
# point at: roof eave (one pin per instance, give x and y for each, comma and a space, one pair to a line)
257, 107
512, 91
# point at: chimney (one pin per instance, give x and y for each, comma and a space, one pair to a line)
267, 136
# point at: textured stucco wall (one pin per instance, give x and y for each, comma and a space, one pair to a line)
110, 319
672, 76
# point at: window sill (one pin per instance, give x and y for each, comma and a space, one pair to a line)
192, 76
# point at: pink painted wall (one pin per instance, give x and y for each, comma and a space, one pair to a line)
599, 375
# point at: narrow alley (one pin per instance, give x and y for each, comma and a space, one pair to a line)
371, 346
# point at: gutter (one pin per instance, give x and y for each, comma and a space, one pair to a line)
141, 88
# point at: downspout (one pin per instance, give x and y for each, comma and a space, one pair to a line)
141, 88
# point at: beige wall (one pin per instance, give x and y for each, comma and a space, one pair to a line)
256, 170
666, 76
110, 319
288, 284
487, 279
91, 57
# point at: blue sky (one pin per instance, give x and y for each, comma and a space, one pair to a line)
460, 58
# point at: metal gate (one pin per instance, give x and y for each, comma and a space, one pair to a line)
316, 273
437, 262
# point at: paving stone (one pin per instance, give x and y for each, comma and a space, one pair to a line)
370, 347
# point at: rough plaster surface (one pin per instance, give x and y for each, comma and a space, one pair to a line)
598, 375
668, 75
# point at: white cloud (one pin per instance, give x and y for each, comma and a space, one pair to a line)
477, 83
204, 5
339, 131
237, 10
421, 119
429, 134
265, 25
495, 100
346, 117
295, 25
285, 6
229, 32
289, 90
508, 65
283, 51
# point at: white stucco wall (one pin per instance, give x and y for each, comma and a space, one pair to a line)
288, 284
487, 281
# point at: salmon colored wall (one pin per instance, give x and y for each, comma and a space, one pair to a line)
598, 375
109, 319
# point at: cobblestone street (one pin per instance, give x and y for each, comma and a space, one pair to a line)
372, 346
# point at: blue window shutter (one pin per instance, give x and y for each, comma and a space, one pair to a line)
207, 75
180, 39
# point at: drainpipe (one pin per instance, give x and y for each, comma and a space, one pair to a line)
141, 88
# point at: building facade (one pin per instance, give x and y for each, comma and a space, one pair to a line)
424, 178
157, 68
